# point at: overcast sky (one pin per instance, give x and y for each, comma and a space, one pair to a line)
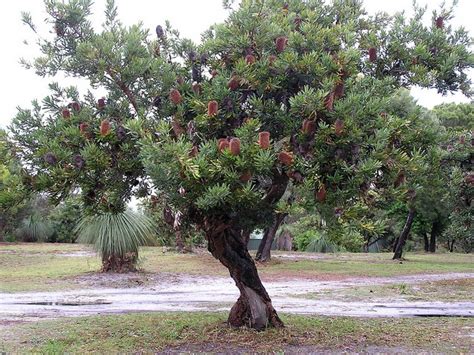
19, 86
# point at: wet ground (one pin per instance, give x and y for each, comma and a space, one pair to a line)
197, 293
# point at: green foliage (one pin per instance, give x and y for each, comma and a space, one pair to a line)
116, 236
34, 229
64, 219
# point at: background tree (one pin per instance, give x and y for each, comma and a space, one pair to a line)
87, 145
296, 90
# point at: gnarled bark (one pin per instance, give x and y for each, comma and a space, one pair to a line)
254, 307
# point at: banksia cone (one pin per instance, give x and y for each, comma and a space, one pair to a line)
197, 88
383, 114
212, 108
308, 127
159, 32
104, 127
214, 73
180, 80
233, 83
101, 103
222, 144
246, 176
78, 161
280, 44
66, 113
50, 158
462, 139
286, 158
83, 127
339, 127
321, 193
329, 101
75, 106
271, 59
154, 200
175, 96
177, 129
192, 56
234, 146
250, 59
194, 151
121, 133
440, 22
372, 54
298, 21
339, 90
264, 139
400, 179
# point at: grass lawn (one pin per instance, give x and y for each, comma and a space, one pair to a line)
42, 267
151, 332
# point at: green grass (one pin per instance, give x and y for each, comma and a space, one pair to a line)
445, 290
42, 267
150, 332
26, 267
379, 264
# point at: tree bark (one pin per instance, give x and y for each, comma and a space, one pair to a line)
426, 242
404, 235
253, 308
265, 247
435, 230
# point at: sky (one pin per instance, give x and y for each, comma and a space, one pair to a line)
191, 17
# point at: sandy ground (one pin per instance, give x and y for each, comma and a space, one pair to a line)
167, 292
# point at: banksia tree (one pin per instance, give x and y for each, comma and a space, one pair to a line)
295, 61
295, 65
81, 143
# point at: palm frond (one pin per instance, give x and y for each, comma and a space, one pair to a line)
116, 234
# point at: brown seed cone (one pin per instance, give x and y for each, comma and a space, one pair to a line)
197, 88
101, 103
440, 22
175, 96
339, 127
309, 126
329, 101
250, 59
280, 44
176, 126
400, 179
286, 158
76, 107
246, 176
264, 139
271, 59
66, 113
222, 144
83, 127
233, 83
339, 90
212, 108
372, 54
180, 80
234, 146
194, 151
104, 127
321, 193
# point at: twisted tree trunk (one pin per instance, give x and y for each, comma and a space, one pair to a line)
254, 307
404, 235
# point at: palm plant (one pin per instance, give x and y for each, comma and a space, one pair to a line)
116, 237
34, 228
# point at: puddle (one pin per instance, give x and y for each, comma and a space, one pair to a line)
192, 293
